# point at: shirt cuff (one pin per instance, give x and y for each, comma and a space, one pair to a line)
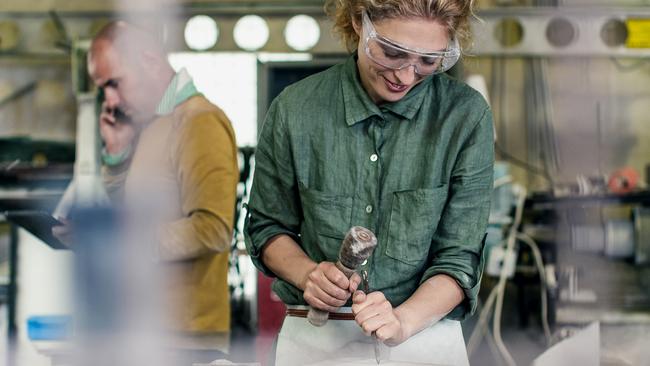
255, 243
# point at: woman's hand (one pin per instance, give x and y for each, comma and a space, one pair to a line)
375, 314
327, 288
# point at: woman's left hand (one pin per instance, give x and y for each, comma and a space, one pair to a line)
374, 313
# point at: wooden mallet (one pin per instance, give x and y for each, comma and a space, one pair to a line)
356, 247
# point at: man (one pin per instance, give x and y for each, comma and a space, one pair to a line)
177, 157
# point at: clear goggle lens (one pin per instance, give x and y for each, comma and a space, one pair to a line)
397, 58
394, 56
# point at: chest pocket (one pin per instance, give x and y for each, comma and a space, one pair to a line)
326, 219
414, 218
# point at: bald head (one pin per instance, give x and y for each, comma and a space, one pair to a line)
131, 67
128, 40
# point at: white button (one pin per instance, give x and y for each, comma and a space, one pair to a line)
364, 262
373, 157
369, 209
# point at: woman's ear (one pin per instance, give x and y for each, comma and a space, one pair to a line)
356, 24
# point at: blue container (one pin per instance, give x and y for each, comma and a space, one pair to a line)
49, 328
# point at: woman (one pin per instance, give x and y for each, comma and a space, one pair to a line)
388, 142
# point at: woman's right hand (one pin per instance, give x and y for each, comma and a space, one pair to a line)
327, 288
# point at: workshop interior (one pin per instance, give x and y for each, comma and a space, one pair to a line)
566, 259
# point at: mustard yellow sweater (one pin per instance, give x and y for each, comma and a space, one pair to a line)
185, 168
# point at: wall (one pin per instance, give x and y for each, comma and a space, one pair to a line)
47, 111
109, 5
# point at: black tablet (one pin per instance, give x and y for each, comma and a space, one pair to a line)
39, 223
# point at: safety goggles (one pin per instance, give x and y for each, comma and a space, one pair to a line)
395, 56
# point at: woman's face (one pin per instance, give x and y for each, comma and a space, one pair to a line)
389, 85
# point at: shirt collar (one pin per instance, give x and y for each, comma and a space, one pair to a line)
408, 106
179, 90
359, 106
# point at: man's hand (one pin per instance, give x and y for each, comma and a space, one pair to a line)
374, 313
63, 232
327, 288
117, 133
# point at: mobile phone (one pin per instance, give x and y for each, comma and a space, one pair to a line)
120, 116
118, 113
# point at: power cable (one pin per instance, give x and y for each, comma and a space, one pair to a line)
522, 164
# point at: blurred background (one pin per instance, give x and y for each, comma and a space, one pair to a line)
569, 84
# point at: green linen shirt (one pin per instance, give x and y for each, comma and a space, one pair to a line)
417, 172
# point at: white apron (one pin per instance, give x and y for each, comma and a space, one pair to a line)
342, 343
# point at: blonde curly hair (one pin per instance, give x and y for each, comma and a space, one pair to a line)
454, 14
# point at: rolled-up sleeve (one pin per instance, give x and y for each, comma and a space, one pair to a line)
273, 208
457, 245
205, 161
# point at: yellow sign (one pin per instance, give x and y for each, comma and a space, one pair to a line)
638, 33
